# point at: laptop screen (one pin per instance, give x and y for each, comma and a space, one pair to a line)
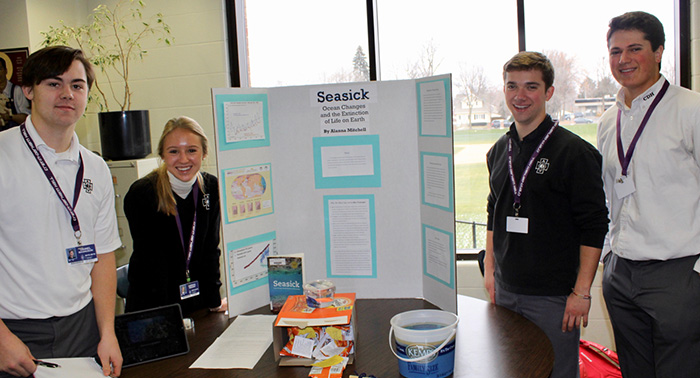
151, 335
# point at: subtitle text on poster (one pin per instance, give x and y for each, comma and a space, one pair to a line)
344, 111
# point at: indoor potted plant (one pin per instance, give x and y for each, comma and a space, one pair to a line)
111, 42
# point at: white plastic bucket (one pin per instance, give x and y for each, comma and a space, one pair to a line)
424, 342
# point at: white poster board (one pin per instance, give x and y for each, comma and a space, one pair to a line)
356, 176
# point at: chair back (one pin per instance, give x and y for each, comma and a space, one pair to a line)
123, 280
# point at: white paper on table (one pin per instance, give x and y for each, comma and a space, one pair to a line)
240, 346
80, 367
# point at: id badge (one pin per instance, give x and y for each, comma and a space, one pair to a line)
517, 225
624, 187
81, 254
190, 289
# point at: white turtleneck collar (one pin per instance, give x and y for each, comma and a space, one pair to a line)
181, 188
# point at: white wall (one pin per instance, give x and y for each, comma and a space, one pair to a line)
42, 14
176, 80
13, 24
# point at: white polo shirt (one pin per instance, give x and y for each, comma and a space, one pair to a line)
660, 220
36, 281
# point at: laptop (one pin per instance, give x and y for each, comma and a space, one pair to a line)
151, 335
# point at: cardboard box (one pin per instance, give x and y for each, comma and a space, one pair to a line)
296, 313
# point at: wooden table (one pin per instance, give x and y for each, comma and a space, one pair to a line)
492, 342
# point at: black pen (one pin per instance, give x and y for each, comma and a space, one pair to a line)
46, 364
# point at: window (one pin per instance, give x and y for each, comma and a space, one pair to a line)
575, 42
307, 42
471, 41
317, 41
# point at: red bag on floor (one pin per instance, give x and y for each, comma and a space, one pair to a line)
597, 361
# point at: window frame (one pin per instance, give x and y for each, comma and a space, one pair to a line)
237, 43
237, 49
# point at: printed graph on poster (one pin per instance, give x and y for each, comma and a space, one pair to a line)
244, 121
249, 263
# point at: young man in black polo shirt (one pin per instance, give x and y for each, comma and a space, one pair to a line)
547, 217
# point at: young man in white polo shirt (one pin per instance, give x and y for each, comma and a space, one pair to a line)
651, 170
58, 231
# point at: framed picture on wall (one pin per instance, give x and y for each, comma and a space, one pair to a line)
14, 61
14, 106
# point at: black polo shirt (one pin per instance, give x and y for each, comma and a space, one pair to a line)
563, 200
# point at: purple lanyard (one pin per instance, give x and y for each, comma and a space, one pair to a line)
626, 159
54, 183
190, 247
518, 188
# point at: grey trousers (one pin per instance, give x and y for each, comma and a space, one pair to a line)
547, 312
654, 309
69, 336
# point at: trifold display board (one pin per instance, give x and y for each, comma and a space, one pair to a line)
356, 176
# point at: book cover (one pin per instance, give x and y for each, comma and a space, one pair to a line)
296, 313
286, 277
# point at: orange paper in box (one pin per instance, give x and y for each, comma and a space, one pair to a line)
296, 313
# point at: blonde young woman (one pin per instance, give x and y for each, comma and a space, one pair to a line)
174, 219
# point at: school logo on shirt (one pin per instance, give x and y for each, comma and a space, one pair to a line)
87, 185
542, 166
205, 201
